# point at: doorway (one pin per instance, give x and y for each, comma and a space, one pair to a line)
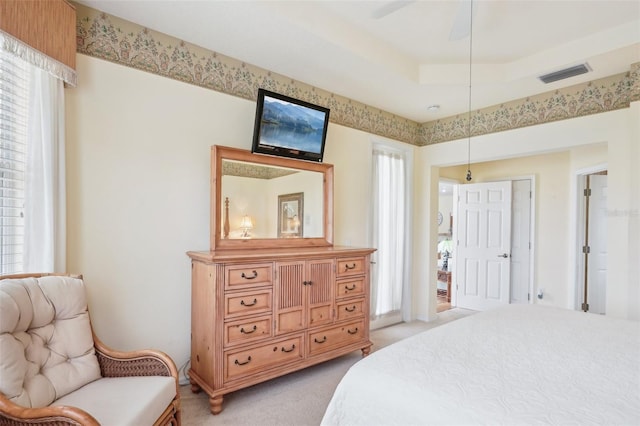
446, 262
592, 242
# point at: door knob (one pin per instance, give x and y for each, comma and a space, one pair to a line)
505, 255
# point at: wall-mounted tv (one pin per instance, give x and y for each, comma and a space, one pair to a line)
289, 127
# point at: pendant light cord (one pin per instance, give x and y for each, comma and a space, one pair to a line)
469, 113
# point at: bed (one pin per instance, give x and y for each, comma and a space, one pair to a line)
515, 365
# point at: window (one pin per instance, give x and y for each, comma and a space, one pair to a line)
32, 154
14, 97
390, 204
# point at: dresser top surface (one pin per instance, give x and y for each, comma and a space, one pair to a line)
280, 253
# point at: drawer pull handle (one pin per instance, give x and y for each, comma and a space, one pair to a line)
346, 308
255, 275
307, 282
347, 267
324, 339
352, 332
249, 304
242, 330
353, 287
290, 350
243, 363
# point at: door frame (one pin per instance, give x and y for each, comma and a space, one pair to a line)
577, 211
454, 209
532, 235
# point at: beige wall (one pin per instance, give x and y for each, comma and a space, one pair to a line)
349, 151
610, 139
138, 195
623, 225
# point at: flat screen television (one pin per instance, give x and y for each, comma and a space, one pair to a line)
289, 127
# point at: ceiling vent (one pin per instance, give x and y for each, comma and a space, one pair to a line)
565, 73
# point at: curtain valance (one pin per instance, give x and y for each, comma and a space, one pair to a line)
28, 54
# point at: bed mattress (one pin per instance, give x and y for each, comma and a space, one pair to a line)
515, 365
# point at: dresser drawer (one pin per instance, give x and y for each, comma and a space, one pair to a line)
247, 303
351, 266
330, 338
350, 309
350, 287
241, 363
248, 330
247, 276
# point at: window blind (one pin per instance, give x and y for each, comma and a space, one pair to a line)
14, 97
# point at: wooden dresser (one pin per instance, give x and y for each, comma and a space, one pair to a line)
258, 314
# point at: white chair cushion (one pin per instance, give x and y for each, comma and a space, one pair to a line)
45, 339
122, 401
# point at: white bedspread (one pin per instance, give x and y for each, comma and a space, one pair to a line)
517, 365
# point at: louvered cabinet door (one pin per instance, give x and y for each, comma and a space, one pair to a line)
319, 285
304, 294
290, 293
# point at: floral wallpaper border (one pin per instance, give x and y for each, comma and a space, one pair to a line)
602, 95
117, 40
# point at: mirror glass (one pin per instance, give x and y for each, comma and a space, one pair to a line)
263, 201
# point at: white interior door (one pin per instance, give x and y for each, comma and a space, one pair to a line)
597, 258
483, 266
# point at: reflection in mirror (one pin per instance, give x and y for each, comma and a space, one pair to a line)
255, 194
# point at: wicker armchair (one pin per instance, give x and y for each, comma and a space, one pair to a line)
42, 375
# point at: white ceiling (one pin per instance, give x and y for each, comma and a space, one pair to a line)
405, 61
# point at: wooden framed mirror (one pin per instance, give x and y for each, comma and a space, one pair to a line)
246, 198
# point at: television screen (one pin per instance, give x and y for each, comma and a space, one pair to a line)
289, 127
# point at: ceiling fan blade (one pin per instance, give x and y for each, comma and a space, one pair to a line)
389, 8
462, 22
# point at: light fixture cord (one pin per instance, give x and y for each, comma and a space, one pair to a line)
469, 114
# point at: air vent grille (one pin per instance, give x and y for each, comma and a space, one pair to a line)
565, 73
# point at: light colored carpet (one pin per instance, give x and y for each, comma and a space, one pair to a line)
299, 398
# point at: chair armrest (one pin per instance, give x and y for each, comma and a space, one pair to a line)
145, 362
11, 413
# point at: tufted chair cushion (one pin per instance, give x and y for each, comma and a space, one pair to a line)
45, 339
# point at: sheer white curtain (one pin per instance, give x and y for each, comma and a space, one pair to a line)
45, 195
389, 228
